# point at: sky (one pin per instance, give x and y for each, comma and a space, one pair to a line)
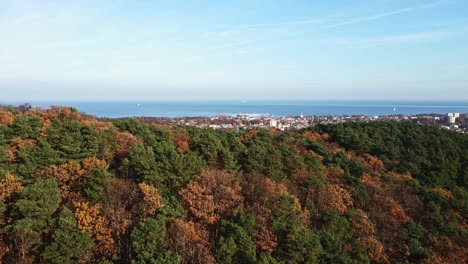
233, 50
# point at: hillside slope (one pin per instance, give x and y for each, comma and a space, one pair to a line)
77, 189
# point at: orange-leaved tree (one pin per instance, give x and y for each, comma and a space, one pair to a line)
151, 199
6, 117
262, 197
90, 221
9, 185
212, 195
191, 241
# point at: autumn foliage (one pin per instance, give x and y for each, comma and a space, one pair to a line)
6, 118
79, 189
373, 163
124, 141
9, 185
263, 196
334, 197
212, 195
191, 241
90, 221
181, 140
17, 144
151, 198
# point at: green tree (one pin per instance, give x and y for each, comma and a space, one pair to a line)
334, 233
296, 243
148, 243
26, 127
66, 138
263, 157
39, 201
94, 186
417, 242
69, 245
235, 244
266, 258
141, 164
226, 250
36, 205
25, 238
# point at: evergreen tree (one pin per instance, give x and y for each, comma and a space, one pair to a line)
235, 244
142, 165
148, 243
94, 185
297, 244
39, 201
69, 245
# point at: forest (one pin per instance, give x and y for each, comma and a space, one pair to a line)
78, 189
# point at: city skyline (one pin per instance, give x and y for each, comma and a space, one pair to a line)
247, 50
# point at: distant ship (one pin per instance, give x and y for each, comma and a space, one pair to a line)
394, 109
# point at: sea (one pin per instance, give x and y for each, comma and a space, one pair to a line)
272, 108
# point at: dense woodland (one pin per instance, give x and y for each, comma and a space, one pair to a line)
76, 189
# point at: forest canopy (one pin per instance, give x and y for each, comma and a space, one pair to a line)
78, 189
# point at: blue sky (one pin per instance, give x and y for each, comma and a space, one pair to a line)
240, 50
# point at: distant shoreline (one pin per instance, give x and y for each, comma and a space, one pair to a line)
454, 120
284, 108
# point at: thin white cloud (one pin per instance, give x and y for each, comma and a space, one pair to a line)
249, 34
410, 38
244, 28
240, 43
382, 15
286, 23
401, 39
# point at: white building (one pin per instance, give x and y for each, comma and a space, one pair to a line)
451, 119
456, 115
273, 123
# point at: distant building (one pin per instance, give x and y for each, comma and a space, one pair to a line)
218, 117
273, 123
451, 119
449, 114
456, 115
